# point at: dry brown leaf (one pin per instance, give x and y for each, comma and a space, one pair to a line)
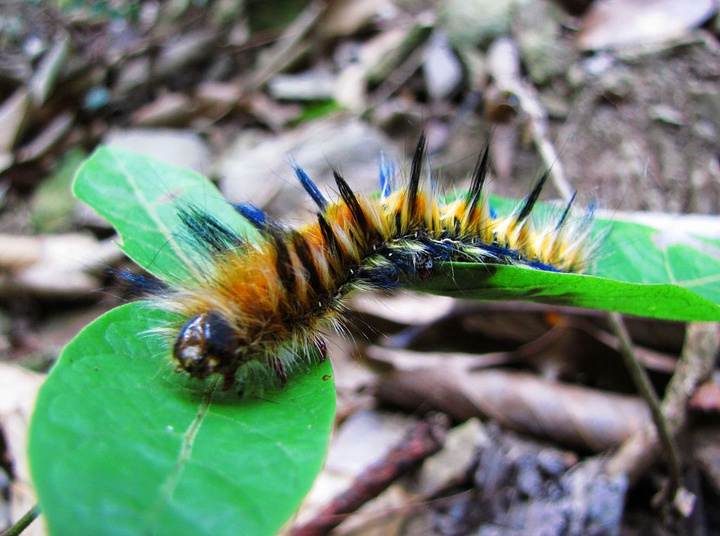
347, 17
45, 77
404, 308
170, 109
618, 23
706, 451
53, 132
183, 148
707, 398
568, 414
18, 389
12, 116
54, 265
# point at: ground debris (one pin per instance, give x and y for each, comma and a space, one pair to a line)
527, 487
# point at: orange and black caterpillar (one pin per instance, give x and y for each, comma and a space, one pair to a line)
261, 302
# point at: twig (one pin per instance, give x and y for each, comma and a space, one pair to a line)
23, 522
698, 357
287, 46
422, 441
642, 382
397, 78
509, 78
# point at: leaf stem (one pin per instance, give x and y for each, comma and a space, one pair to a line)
23, 522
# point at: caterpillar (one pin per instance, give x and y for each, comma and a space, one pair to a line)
259, 302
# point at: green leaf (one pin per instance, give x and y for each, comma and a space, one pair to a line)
121, 444
483, 282
641, 254
638, 270
140, 197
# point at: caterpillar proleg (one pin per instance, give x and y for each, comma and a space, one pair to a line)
262, 301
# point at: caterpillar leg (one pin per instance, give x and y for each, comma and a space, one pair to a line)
229, 377
321, 346
277, 365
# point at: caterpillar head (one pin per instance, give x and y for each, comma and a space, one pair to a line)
206, 345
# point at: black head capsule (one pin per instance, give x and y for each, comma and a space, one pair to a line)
206, 345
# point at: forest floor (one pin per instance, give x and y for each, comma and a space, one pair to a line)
531, 405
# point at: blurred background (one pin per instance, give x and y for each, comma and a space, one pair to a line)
619, 98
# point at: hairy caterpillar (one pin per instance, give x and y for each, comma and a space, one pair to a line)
260, 302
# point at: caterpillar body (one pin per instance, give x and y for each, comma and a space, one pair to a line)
261, 302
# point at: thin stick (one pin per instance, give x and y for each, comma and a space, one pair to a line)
510, 79
642, 382
287, 47
23, 522
698, 358
422, 441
